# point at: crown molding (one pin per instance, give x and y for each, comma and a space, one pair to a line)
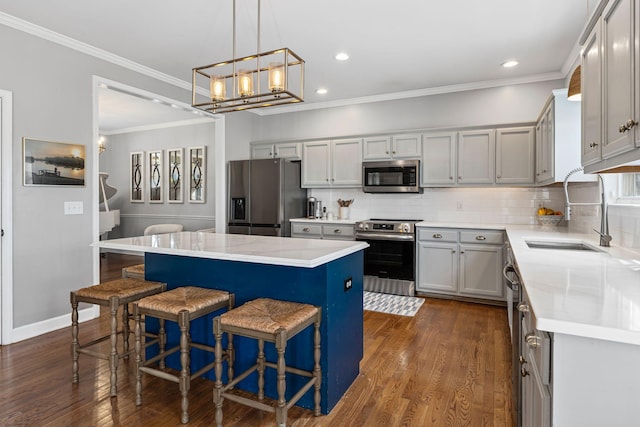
46, 34
157, 126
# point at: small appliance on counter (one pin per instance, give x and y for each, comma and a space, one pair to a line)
314, 208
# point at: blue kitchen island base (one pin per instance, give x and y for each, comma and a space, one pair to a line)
335, 286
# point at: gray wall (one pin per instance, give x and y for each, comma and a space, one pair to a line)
136, 216
53, 99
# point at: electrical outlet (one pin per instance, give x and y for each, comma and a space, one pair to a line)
73, 208
348, 284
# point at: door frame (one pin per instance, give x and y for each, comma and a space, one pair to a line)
6, 213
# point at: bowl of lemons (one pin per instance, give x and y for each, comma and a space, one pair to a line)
548, 217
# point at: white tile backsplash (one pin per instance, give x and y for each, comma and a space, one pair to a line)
490, 206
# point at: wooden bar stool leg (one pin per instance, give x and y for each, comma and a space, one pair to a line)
125, 330
281, 409
162, 341
230, 357
316, 368
138, 334
217, 390
183, 321
74, 338
261, 369
113, 356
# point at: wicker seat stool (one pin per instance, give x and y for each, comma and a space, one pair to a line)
275, 321
112, 294
180, 305
133, 271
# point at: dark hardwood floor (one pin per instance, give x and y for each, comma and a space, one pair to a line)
447, 366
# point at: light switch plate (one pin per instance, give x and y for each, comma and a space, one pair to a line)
73, 208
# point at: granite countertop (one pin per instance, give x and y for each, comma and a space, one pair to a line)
325, 221
581, 293
307, 253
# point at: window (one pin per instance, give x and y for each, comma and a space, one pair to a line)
630, 187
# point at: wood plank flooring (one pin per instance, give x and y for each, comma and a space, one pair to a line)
447, 366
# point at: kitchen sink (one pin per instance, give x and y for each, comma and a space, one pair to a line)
563, 245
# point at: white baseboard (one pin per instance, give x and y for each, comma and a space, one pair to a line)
50, 325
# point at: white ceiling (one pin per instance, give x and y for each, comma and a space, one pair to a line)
397, 48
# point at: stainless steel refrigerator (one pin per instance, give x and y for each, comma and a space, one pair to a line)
263, 195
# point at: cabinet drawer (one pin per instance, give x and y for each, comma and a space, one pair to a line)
437, 235
482, 236
335, 231
306, 229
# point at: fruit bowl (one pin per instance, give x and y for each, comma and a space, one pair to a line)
550, 220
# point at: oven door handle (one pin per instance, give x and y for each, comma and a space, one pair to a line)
384, 236
509, 268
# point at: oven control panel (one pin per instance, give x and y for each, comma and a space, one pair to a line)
390, 226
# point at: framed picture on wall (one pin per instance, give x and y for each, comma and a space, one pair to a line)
136, 172
174, 175
52, 163
197, 174
155, 177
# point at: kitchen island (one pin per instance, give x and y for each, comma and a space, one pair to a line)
326, 273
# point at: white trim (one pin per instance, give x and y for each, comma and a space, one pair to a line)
220, 178
157, 126
6, 299
49, 325
169, 216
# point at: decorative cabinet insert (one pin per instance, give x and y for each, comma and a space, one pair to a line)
332, 163
460, 262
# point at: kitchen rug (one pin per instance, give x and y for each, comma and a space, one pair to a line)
392, 304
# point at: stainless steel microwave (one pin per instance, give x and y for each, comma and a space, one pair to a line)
391, 176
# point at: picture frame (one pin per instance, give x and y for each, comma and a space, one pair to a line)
197, 157
155, 172
175, 180
136, 177
52, 163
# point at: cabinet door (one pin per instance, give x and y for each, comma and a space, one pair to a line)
405, 146
515, 155
262, 151
347, 162
618, 85
438, 159
437, 267
591, 88
547, 148
481, 270
316, 164
476, 157
288, 150
376, 148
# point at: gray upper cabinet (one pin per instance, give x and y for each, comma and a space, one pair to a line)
405, 146
284, 150
439, 159
515, 148
610, 78
332, 163
476, 156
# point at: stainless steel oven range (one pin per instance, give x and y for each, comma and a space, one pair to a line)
389, 261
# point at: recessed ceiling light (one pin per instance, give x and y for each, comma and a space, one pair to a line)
321, 91
509, 64
342, 56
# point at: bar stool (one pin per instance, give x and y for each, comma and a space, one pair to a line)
133, 271
274, 321
112, 294
180, 305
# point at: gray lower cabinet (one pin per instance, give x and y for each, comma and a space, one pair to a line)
460, 262
324, 230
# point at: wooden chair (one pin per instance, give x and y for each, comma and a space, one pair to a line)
112, 294
180, 305
274, 321
137, 271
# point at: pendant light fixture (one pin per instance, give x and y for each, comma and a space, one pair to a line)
575, 93
237, 84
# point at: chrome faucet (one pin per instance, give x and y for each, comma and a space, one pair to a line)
605, 237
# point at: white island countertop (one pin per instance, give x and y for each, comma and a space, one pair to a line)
307, 253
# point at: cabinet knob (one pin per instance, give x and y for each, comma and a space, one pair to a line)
481, 237
327, 179
450, 177
461, 252
394, 152
437, 236
453, 251
306, 229
627, 126
593, 144
532, 340
337, 231
459, 177
499, 176
522, 360
523, 307
386, 152
275, 154
524, 372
